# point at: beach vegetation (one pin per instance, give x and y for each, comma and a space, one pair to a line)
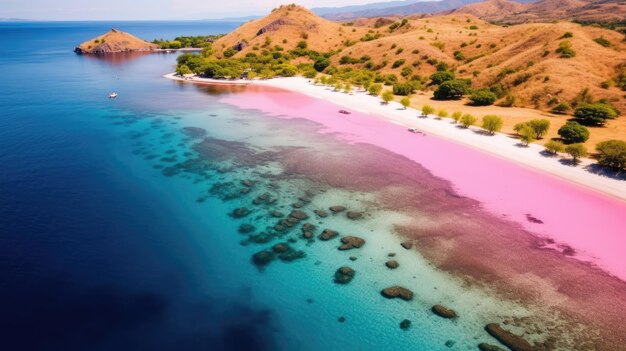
387, 96
375, 89
405, 102
482, 97
452, 89
427, 110
321, 63
492, 123
201, 41
403, 89
554, 147
456, 116
576, 151
467, 120
573, 132
612, 154
183, 69
539, 126
595, 114
526, 134
442, 113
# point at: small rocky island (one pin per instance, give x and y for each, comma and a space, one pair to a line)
114, 41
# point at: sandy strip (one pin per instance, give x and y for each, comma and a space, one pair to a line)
500, 145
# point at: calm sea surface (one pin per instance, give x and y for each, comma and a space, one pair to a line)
117, 229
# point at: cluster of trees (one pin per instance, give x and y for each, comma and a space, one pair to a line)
200, 41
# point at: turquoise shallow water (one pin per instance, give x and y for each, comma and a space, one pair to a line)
116, 230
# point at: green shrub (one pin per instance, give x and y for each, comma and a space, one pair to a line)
565, 49
387, 96
573, 132
456, 116
612, 154
602, 41
405, 102
321, 64
567, 35
482, 97
576, 151
403, 89
467, 120
452, 90
561, 108
492, 123
427, 110
526, 134
539, 126
398, 63
594, 114
442, 114
441, 76
375, 89
406, 71
554, 147
230, 52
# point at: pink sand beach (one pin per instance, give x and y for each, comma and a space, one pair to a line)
591, 223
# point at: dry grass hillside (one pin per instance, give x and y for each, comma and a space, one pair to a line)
114, 41
510, 11
286, 26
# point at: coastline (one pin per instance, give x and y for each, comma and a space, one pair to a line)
500, 145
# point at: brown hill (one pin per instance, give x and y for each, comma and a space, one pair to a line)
509, 11
286, 26
114, 41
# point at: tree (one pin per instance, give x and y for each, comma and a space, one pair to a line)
526, 134
467, 120
612, 154
440, 77
554, 147
576, 151
442, 114
375, 89
347, 88
427, 110
492, 123
182, 70
456, 116
405, 101
594, 114
338, 87
561, 108
573, 132
321, 64
451, 90
483, 97
403, 89
540, 126
387, 96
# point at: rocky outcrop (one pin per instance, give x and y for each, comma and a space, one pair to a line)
344, 275
114, 41
443, 311
397, 292
272, 27
510, 340
240, 45
351, 242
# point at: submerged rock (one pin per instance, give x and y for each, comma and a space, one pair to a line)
337, 209
246, 228
261, 238
510, 340
321, 213
298, 215
405, 324
351, 242
450, 343
392, 264
277, 214
246, 183
341, 319
292, 255
407, 244
194, 132
262, 258
308, 227
240, 212
280, 248
307, 235
328, 234
443, 311
397, 292
353, 258
354, 215
489, 347
344, 275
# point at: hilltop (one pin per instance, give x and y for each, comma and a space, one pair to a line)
114, 41
285, 27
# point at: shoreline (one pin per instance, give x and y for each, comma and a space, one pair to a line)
499, 145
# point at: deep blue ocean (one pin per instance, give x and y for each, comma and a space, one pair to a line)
117, 229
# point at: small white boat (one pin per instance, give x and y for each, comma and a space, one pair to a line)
112, 95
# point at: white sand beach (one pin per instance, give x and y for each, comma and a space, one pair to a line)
500, 144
